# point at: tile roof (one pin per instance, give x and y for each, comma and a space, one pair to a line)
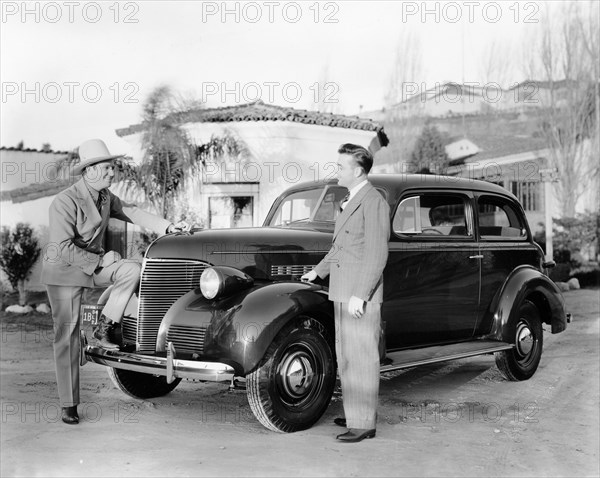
450, 87
259, 111
546, 84
32, 150
498, 146
36, 191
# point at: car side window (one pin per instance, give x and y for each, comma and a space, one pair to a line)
296, 207
499, 219
432, 215
329, 209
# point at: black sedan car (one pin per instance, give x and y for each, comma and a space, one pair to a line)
464, 277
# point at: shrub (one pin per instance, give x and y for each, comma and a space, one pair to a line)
143, 241
588, 275
562, 256
573, 238
560, 273
20, 251
576, 235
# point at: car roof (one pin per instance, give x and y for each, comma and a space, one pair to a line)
395, 184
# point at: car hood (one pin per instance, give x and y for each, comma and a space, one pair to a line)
263, 253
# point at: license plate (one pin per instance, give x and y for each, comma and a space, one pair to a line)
90, 313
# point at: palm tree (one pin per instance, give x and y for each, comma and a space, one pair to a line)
168, 152
170, 155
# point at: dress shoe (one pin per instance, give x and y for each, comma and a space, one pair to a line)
103, 333
340, 422
69, 415
354, 435
386, 361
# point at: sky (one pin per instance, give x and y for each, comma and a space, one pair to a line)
76, 70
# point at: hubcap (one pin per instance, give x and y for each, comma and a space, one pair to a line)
524, 339
297, 374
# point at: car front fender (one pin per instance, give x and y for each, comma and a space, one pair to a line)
238, 329
527, 283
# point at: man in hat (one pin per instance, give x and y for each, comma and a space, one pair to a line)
75, 259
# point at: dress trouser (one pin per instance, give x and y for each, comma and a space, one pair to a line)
357, 349
65, 302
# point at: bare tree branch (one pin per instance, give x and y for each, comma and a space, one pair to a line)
567, 67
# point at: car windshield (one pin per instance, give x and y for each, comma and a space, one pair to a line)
320, 204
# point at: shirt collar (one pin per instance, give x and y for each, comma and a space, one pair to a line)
356, 188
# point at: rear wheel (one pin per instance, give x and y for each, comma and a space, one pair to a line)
141, 385
292, 387
526, 333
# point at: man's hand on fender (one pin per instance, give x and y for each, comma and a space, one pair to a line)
181, 226
309, 276
356, 307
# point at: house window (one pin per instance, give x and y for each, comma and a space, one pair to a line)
528, 194
230, 211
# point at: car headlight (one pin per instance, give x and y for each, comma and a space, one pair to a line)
220, 281
210, 283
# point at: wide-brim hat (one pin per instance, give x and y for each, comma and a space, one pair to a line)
91, 152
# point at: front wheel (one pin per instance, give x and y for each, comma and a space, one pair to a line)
141, 385
526, 333
292, 387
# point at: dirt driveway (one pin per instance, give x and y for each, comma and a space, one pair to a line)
454, 419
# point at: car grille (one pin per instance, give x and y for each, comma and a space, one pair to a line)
162, 283
129, 325
290, 271
186, 339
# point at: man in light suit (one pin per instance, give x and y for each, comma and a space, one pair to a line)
355, 265
75, 259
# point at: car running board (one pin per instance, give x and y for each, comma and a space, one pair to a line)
441, 353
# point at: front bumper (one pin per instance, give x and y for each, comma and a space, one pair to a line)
169, 366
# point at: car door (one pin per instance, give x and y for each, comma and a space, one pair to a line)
504, 244
431, 281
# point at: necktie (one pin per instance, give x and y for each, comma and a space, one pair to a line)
100, 200
344, 201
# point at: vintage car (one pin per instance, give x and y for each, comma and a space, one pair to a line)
464, 277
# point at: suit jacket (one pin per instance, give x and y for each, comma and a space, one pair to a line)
359, 251
77, 232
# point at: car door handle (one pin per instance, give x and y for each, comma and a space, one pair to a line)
479, 256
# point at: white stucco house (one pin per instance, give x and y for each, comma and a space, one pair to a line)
285, 146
